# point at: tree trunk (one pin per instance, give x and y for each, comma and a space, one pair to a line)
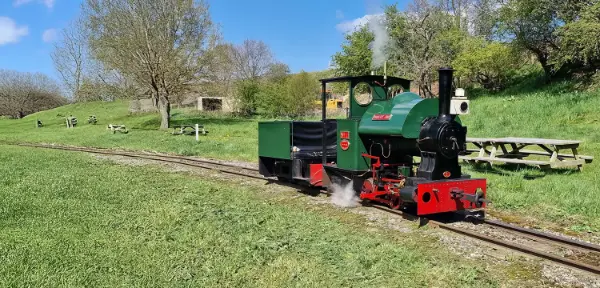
164, 107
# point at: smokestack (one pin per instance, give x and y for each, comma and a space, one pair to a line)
445, 85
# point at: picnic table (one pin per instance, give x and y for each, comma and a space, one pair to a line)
196, 128
117, 128
181, 129
512, 150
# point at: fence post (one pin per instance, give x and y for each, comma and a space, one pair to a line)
197, 139
67, 122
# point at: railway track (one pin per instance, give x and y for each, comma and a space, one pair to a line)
533, 235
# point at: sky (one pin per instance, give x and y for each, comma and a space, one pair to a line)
302, 33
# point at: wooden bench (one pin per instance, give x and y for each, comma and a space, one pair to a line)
117, 128
71, 122
196, 129
510, 150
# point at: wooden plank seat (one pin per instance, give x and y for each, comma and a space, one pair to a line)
511, 150
507, 160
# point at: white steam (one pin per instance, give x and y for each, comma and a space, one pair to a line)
378, 46
377, 26
344, 196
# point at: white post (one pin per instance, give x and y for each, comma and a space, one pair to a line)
197, 139
67, 122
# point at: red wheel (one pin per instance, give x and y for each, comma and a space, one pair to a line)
395, 202
368, 186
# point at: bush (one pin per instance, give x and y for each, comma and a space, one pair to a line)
490, 64
290, 98
246, 96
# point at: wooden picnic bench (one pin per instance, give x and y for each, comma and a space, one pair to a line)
117, 128
181, 129
196, 128
511, 150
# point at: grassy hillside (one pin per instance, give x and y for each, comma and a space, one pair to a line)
563, 197
229, 138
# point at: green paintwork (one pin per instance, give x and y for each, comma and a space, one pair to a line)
351, 159
357, 110
274, 139
408, 111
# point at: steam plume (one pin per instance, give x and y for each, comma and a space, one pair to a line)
377, 26
344, 196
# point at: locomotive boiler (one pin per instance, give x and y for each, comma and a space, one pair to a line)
394, 147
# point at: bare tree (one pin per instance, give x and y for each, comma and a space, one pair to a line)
70, 56
160, 45
252, 59
25, 93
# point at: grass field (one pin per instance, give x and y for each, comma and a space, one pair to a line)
563, 198
69, 219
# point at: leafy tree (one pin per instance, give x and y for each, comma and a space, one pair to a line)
579, 39
160, 45
301, 91
247, 92
491, 64
355, 58
531, 25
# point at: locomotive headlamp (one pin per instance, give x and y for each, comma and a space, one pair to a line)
459, 105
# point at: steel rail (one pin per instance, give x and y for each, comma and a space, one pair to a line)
544, 235
506, 244
169, 159
130, 153
516, 247
479, 236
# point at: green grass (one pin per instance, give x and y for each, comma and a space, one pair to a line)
228, 138
68, 219
563, 197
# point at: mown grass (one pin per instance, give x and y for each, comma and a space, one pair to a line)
229, 137
565, 197
68, 219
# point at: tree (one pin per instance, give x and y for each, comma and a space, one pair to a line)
25, 93
301, 91
355, 58
491, 64
579, 39
70, 57
252, 60
160, 45
418, 42
532, 25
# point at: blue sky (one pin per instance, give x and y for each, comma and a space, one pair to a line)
302, 33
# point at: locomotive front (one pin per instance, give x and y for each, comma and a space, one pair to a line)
438, 185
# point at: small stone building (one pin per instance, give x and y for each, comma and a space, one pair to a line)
215, 104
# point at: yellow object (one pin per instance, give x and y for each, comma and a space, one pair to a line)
331, 103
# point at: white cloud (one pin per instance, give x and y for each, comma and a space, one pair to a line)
351, 25
10, 32
49, 35
47, 3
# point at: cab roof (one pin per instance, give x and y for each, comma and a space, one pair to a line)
368, 78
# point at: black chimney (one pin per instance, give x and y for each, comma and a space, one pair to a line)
445, 85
